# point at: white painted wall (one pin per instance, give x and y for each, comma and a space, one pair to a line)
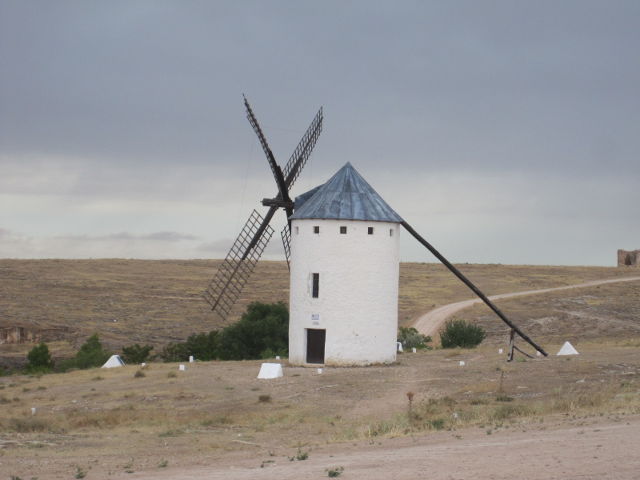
358, 298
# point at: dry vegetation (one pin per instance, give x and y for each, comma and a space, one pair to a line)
110, 422
157, 301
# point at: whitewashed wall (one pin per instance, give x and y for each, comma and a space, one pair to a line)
358, 297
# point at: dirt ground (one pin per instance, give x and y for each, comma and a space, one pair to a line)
217, 419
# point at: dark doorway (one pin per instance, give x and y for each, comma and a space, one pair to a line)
315, 345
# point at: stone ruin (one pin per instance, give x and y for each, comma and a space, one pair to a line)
19, 335
629, 258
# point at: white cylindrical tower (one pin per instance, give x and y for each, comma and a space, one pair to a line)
344, 275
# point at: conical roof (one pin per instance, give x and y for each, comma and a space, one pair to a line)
346, 196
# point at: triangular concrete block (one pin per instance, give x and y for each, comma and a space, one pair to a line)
567, 349
270, 370
114, 361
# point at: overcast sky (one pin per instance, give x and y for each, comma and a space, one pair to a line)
503, 131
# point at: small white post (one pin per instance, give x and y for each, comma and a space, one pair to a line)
190, 358
277, 357
462, 364
414, 350
500, 351
319, 370
33, 410
399, 346
182, 368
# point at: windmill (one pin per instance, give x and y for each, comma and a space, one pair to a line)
226, 286
345, 192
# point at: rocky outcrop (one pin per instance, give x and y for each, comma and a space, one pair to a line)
629, 258
18, 335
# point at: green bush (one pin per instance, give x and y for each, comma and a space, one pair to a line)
262, 332
39, 359
136, 353
460, 333
91, 353
411, 338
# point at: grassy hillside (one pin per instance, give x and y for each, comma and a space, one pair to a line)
155, 302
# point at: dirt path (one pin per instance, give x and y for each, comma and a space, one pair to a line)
430, 322
604, 449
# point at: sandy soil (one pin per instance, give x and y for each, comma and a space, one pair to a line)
431, 322
592, 450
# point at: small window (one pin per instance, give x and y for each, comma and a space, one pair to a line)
343, 230
316, 229
297, 230
370, 230
315, 289
391, 232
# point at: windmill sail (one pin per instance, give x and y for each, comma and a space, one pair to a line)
226, 286
286, 243
302, 152
233, 274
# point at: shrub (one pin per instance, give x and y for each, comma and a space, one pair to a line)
262, 332
411, 338
91, 353
174, 352
136, 353
460, 333
39, 359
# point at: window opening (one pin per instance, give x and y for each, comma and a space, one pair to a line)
370, 230
315, 288
297, 230
391, 232
316, 229
343, 230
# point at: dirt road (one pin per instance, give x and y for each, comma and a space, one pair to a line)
430, 322
594, 450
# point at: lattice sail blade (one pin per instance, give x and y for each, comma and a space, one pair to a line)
228, 282
277, 173
302, 152
286, 243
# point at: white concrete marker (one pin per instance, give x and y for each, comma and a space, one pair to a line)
567, 349
277, 357
399, 346
538, 354
319, 370
182, 368
143, 364
190, 358
270, 370
462, 363
414, 349
500, 351
33, 410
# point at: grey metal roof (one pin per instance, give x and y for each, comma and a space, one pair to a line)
346, 196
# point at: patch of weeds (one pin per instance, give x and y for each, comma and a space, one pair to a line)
219, 420
4, 400
172, 375
228, 388
171, 433
15, 477
334, 472
29, 425
436, 423
42, 387
97, 378
139, 374
489, 432
26, 389
479, 401
504, 398
128, 467
300, 455
163, 463
80, 472
264, 398
266, 462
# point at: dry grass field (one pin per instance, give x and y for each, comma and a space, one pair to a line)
163, 423
144, 301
